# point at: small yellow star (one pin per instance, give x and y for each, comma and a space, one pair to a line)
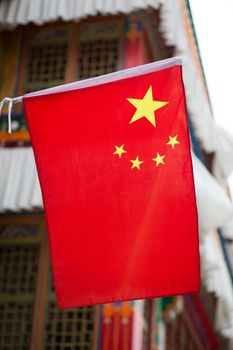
119, 150
159, 159
172, 141
146, 107
136, 163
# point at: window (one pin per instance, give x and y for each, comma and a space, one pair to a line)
46, 59
19, 264
98, 49
29, 315
58, 54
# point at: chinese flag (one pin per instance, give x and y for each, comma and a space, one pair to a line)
113, 158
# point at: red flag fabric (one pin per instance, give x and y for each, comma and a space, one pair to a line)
113, 158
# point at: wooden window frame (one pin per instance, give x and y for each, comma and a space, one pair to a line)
72, 52
72, 60
42, 263
42, 281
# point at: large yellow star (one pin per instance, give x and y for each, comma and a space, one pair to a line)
172, 141
146, 107
159, 159
119, 150
136, 163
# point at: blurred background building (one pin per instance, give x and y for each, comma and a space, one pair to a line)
44, 43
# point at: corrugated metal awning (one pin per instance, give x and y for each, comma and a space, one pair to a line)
217, 280
214, 207
19, 185
15, 12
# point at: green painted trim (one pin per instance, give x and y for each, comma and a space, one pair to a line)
18, 241
39, 85
15, 298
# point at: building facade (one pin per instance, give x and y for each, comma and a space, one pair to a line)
47, 44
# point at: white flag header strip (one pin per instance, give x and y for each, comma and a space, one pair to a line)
107, 78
